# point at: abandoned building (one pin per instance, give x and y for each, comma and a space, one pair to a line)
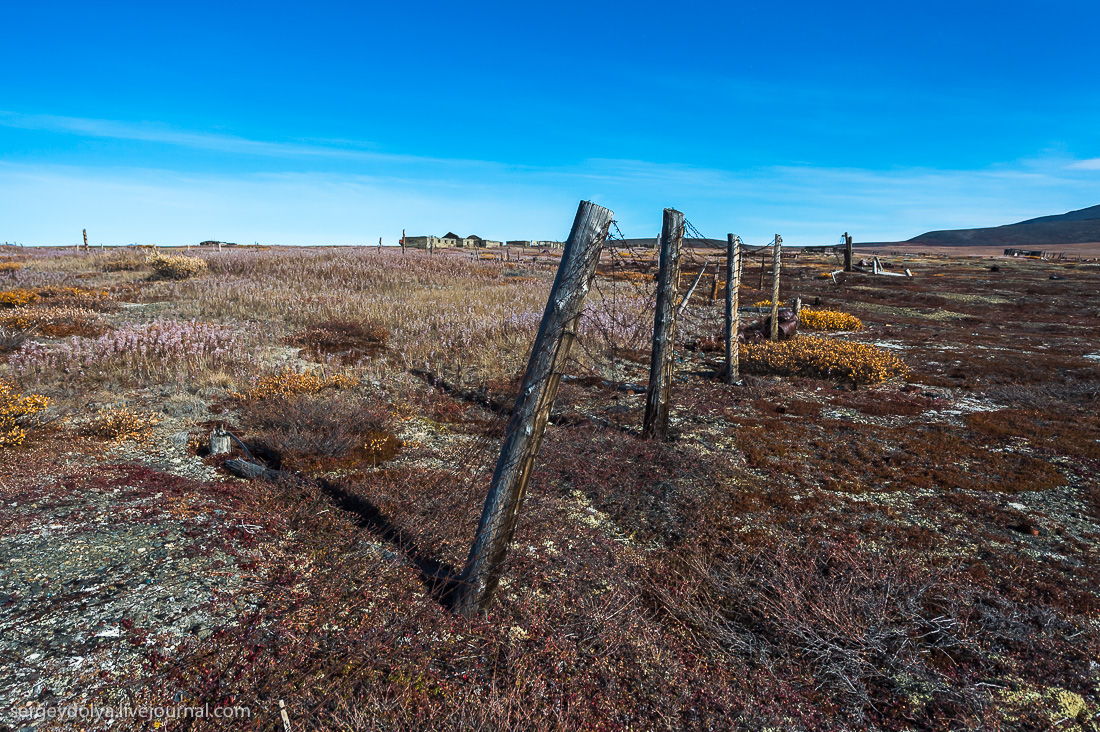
448, 240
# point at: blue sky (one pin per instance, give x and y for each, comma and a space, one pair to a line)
337, 123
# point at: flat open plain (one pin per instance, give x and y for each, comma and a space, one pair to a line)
889, 526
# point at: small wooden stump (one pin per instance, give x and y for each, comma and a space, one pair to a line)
220, 443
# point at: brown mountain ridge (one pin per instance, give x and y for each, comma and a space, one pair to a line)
1074, 227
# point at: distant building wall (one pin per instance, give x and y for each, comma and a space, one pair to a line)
431, 242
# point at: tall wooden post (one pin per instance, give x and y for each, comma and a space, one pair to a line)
523, 437
664, 327
776, 263
847, 252
733, 291
762, 258
85, 239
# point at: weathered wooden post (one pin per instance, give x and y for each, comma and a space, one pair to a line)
219, 442
798, 308
691, 290
714, 283
733, 288
379, 245
762, 258
776, 263
847, 252
85, 239
664, 327
402, 241
523, 437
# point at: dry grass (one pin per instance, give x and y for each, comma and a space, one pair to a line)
316, 430
347, 342
176, 267
292, 383
118, 424
55, 322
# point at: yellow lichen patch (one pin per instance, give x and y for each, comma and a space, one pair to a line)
13, 407
828, 320
17, 298
119, 424
1060, 706
822, 357
291, 383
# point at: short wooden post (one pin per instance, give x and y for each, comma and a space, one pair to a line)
847, 252
219, 442
797, 308
714, 283
85, 239
664, 327
402, 241
762, 258
776, 263
379, 245
733, 288
523, 437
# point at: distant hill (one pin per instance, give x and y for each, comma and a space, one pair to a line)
1074, 227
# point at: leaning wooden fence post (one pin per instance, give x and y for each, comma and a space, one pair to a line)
776, 263
733, 288
483, 569
664, 327
691, 290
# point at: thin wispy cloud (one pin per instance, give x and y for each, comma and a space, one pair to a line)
153, 132
50, 204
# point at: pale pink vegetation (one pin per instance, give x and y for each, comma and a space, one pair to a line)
160, 350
